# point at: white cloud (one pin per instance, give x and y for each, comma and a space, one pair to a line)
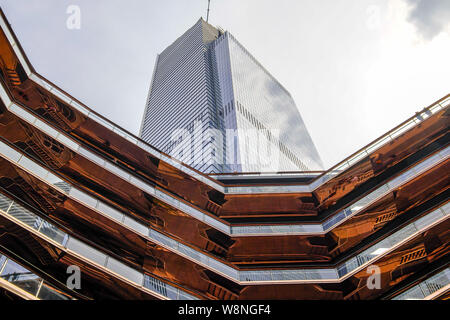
430, 17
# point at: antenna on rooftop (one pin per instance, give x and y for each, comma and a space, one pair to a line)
207, 12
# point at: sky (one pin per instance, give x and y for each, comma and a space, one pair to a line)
355, 68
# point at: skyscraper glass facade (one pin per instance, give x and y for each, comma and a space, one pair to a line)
213, 106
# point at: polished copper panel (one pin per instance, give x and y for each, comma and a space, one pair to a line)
45, 256
239, 250
395, 266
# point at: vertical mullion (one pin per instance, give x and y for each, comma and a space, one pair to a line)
39, 289
4, 264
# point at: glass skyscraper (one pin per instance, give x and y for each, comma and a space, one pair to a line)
213, 106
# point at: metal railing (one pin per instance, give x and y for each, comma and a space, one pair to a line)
203, 259
27, 281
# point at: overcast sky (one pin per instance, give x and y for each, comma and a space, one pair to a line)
356, 68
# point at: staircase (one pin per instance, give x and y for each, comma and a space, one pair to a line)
13, 77
51, 111
213, 207
32, 244
215, 248
28, 191
412, 256
319, 250
220, 293
386, 215
43, 155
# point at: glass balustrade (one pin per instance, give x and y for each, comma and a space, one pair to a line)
427, 287
329, 274
194, 211
29, 282
330, 223
73, 244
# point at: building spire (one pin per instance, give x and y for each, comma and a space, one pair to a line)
207, 12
